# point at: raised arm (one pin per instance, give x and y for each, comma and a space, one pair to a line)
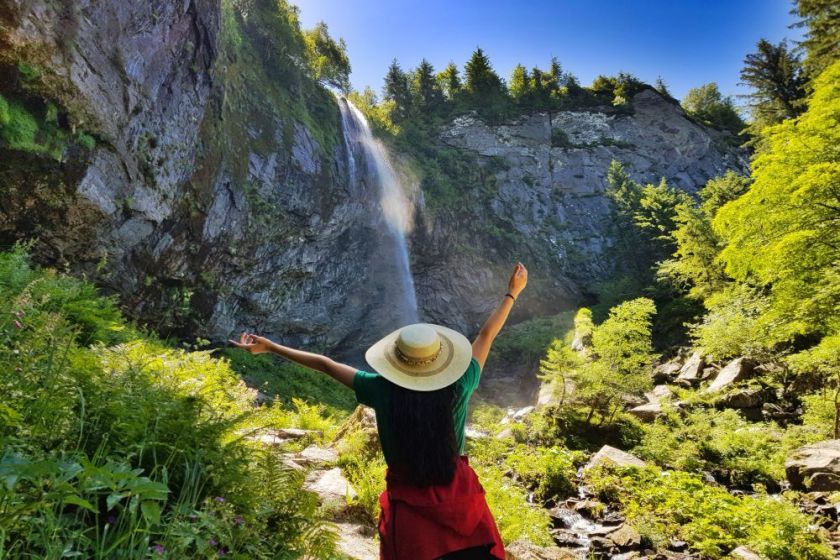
494, 323
259, 345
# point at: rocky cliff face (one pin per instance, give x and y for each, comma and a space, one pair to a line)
217, 196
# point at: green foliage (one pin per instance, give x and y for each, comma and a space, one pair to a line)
5, 114
515, 517
287, 381
526, 342
674, 504
709, 106
822, 39
327, 58
20, 128
619, 361
425, 88
775, 74
548, 471
114, 441
784, 232
449, 81
739, 452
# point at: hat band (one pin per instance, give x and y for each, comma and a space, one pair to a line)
416, 362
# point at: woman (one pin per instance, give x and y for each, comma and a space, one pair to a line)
433, 506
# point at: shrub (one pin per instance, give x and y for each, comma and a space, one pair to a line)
672, 504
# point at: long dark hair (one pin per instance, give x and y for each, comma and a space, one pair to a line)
424, 435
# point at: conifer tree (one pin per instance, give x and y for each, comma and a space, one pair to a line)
449, 81
778, 82
429, 94
822, 39
396, 90
662, 87
520, 83
481, 79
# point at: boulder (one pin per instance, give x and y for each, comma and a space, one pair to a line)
647, 412
314, 456
692, 371
666, 372
815, 467
472, 433
658, 393
268, 439
625, 537
526, 550
736, 370
614, 456
522, 412
752, 396
296, 433
744, 553
332, 488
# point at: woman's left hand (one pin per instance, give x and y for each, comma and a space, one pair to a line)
253, 343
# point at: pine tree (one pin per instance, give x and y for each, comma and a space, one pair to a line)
520, 83
553, 77
396, 90
822, 40
426, 88
662, 87
778, 83
449, 81
706, 104
482, 80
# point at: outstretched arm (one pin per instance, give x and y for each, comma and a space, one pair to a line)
259, 345
494, 323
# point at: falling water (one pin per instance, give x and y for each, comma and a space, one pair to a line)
395, 206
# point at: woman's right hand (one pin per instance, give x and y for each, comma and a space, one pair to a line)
253, 343
518, 280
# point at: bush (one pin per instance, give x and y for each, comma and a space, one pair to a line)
20, 128
664, 505
113, 440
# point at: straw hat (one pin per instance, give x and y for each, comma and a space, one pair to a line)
421, 357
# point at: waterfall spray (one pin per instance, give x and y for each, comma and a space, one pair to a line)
393, 202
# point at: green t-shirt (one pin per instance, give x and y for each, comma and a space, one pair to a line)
374, 391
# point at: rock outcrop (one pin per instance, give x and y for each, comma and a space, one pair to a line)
815, 467
219, 196
611, 455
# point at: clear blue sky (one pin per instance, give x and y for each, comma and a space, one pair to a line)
687, 42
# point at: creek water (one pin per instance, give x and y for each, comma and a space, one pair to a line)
368, 160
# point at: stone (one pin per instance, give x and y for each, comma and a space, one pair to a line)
314, 455
658, 393
522, 412
268, 439
507, 433
647, 412
625, 537
357, 542
692, 371
736, 370
296, 433
526, 550
752, 396
608, 454
666, 372
815, 467
472, 433
744, 553
332, 488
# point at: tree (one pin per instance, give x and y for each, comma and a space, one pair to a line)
328, 59
778, 82
783, 234
481, 79
621, 358
426, 88
694, 267
396, 90
656, 217
449, 81
706, 104
822, 39
520, 83
662, 87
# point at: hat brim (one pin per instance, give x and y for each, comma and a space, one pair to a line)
452, 362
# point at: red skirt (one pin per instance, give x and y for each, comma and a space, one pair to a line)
427, 523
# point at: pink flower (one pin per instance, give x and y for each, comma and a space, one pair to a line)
158, 548
17, 324
18, 313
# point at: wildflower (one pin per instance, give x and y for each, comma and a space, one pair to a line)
213, 542
222, 551
158, 548
17, 324
18, 313
238, 520
220, 499
111, 519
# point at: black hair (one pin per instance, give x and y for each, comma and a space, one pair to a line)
424, 435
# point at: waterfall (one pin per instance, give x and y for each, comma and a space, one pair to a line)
393, 203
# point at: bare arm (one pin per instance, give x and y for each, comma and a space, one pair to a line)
496, 320
259, 344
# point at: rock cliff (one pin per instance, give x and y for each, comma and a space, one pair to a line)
217, 195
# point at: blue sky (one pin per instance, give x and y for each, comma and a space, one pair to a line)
687, 42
